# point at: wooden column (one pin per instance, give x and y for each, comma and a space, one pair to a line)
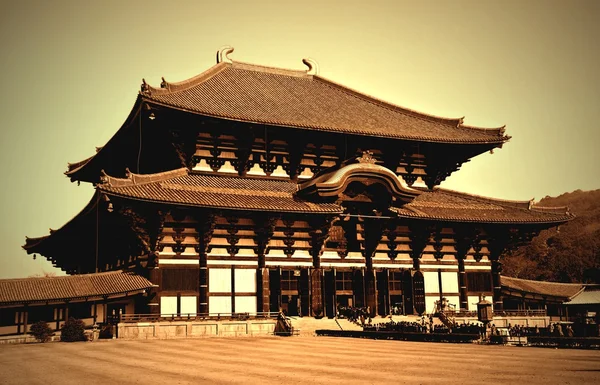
462, 284
498, 242
205, 229
264, 227
463, 238
25, 318
373, 232
319, 229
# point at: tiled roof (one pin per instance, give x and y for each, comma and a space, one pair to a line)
30, 290
590, 296
264, 95
456, 206
232, 192
225, 192
553, 289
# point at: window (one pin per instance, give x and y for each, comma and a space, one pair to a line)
478, 282
343, 281
288, 280
179, 279
395, 281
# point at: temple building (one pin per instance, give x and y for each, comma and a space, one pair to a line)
249, 189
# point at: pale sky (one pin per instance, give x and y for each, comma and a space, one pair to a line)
70, 73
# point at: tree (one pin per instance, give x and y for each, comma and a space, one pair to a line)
41, 331
73, 330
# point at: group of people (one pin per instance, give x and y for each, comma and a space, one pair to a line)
425, 326
359, 315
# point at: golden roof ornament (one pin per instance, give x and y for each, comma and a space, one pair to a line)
224, 51
367, 157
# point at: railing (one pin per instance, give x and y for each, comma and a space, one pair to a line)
504, 313
195, 317
521, 313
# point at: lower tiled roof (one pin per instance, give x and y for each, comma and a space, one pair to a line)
461, 207
543, 288
226, 192
590, 296
31, 290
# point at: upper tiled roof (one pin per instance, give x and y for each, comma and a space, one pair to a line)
543, 288
456, 206
31, 290
265, 95
225, 192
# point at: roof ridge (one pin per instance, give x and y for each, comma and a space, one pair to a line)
270, 69
138, 179
171, 87
102, 273
533, 280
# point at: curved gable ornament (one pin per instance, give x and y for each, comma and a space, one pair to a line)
334, 183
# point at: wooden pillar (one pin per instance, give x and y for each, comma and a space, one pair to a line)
462, 284
95, 312
496, 270
264, 227
205, 229
319, 230
373, 232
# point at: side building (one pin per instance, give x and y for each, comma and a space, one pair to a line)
249, 189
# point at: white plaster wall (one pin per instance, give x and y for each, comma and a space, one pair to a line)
245, 304
219, 280
219, 304
189, 305
245, 281
453, 300
430, 303
449, 282
168, 305
473, 299
431, 282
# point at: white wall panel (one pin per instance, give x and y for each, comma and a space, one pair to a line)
219, 280
430, 303
449, 282
189, 305
245, 281
168, 305
245, 304
219, 305
473, 300
431, 282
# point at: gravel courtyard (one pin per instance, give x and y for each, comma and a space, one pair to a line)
279, 360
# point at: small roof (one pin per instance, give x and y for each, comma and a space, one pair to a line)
590, 296
274, 96
214, 191
442, 204
70, 287
543, 288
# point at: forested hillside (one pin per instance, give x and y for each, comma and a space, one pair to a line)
571, 254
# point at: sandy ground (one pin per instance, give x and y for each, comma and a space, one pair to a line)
281, 360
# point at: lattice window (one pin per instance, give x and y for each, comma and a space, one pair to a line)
288, 280
479, 281
395, 281
343, 281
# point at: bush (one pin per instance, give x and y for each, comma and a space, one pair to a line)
73, 330
41, 331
